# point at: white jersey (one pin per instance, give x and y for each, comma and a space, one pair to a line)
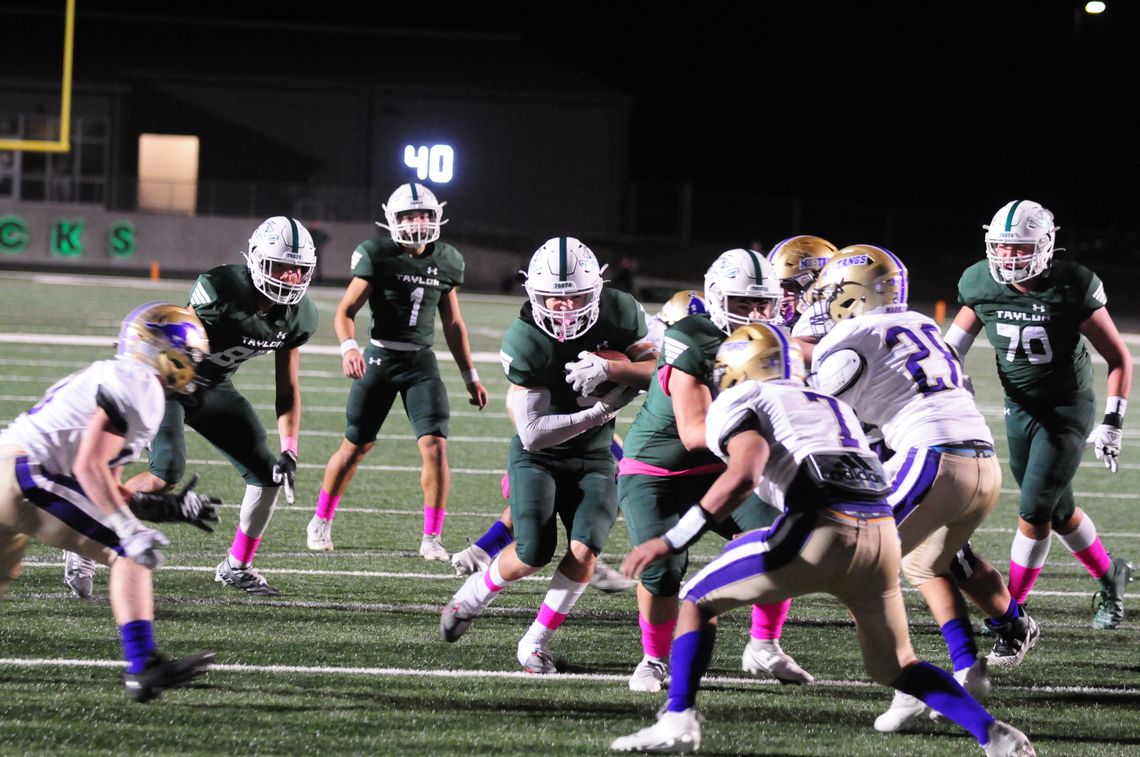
656, 331
899, 375
126, 390
794, 420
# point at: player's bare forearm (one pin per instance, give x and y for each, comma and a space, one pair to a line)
288, 396
637, 373
99, 445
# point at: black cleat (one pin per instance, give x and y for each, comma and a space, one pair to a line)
160, 674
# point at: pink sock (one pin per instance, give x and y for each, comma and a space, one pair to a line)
433, 519
506, 484
1021, 580
657, 640
244, 548
1095, 559
768, 620
549, 618
326, 505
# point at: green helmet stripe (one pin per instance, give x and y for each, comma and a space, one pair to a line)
415, 194
1009, 218
562, 254
755, 267
293, 228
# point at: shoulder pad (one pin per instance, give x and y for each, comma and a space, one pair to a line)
838, 371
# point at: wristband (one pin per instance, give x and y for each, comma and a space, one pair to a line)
289, 444
693, 523
1115, 405
348, 344
122, 521
469, 377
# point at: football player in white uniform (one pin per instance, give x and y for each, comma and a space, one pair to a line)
805, 450
892, 366
798, 261
60, 467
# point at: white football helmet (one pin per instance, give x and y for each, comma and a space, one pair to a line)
861, 278
169, 339
758, 352
564, 267
741, 273
281, 240
407, 198
1020, 222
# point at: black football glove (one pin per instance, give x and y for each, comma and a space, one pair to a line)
187, 506
285, 473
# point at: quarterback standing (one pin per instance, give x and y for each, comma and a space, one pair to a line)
560, 465
60, 467
404, 280
1035, 311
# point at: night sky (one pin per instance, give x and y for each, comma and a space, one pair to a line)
927, 105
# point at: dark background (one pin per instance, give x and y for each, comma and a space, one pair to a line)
856, 110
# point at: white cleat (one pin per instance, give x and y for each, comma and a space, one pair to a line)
649, 675
766, 656
535, 657
904, 709
609, 580
319, 533
975, 680
674, 733
79, 574
432, 549
470, 560
1007, 741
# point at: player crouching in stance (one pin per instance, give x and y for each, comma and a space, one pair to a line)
560, 464
806, 451
60, 464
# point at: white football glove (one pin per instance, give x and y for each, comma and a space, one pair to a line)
586, 374
1105, 440
141, 543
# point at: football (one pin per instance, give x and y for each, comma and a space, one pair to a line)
605, 387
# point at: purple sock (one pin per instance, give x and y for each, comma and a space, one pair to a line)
960, 644
496, 539
138, 643
939, 691
616, 450
1012, 613
691, 654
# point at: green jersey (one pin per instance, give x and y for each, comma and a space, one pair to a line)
533, 359
689, 346
227, 302
1036, 335
406, 288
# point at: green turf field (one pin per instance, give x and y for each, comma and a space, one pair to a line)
349, 660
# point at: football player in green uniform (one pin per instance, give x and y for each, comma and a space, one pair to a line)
1035, 310
248, 310
560, 464
404, 280
667, 467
